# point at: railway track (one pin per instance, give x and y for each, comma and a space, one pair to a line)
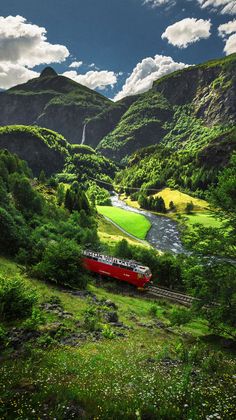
174, 296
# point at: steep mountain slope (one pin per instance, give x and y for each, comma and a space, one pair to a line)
44, 149
62, 105
184, 109
158, 166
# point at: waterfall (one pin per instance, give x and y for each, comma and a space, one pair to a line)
84, 134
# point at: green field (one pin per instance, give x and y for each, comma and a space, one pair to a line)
206, 219
135, 224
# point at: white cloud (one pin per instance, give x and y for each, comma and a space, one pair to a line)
76, 64
158, 3
26, 44
224, 6
227, 28
93, 79
230, 46
146, 72
187, 31
14, 74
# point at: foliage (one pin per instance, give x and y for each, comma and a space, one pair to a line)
180, 316
16, 299
189, 207
193, 170
152, 203
61, 263
98, 195
107, 332
166, 269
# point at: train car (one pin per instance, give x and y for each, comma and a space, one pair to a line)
125, 270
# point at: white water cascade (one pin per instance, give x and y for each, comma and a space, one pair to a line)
84, 134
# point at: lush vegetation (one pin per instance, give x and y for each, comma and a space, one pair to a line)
34, 222
174, 112
167, 370
133, 223
73, 345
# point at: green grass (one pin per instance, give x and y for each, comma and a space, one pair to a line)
128, 377
135, 224
207, 219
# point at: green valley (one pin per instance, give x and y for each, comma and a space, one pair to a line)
76, 342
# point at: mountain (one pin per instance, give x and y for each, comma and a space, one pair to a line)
60, 104
191, 169
185, 109
44, 149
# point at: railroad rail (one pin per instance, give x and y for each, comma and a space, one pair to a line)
174, 296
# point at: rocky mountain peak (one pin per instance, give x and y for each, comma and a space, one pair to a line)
48, 72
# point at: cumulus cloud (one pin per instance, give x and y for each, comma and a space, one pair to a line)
146, 72
227, 28
187, 31
230, 45
76, 64
14, 74
26, 44
223, 6
93, 79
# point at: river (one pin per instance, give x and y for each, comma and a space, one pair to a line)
163, 234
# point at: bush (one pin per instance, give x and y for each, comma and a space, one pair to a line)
37, 318
16, 299
107, 332
91, 319
61, 263
180, 316
153, 310
12, 232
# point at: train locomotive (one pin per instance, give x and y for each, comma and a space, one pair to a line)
121, 269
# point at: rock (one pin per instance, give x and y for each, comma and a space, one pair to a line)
74, 411
18, 336
151, 360
110, 304
111, 316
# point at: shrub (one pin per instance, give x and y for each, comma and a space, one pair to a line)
180, 316
153, 310
16, 299
12, 232
91, 319
189, 207
37, 318
61, 263
107, 332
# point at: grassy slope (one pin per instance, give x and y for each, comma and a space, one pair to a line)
121, 378
180, 200
201, 213
110, 234
133, 223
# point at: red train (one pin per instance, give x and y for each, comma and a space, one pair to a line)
125, 270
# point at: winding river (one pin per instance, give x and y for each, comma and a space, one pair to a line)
163, 234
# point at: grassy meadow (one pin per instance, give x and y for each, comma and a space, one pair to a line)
151, 370
135, 224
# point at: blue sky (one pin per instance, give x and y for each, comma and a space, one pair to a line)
111, 37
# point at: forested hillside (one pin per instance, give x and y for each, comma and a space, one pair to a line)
190, 168
186, 109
